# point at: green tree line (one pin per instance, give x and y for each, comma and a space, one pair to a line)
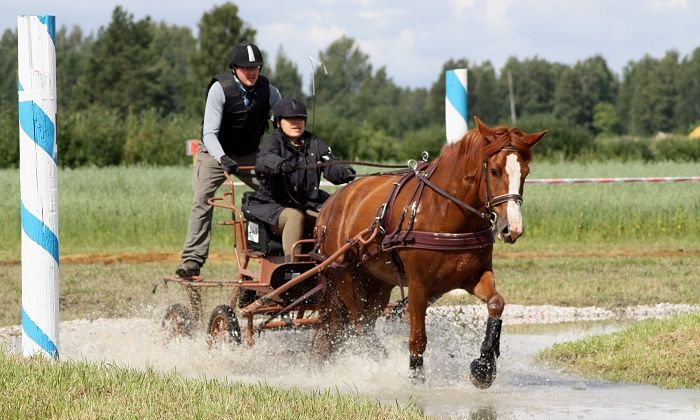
133, 92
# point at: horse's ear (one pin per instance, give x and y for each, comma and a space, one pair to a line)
534, 138
483, 129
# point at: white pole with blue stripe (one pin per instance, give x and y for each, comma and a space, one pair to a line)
455, 104
39, 183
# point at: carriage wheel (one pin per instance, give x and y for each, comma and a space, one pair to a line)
223, 327
177, 322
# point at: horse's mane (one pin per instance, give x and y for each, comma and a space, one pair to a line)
475, 147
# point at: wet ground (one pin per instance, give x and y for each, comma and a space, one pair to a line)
523, 389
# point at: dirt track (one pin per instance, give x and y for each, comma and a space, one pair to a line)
174, 257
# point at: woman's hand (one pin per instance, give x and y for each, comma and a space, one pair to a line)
287, 167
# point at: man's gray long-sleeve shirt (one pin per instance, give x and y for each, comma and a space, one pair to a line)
213, 113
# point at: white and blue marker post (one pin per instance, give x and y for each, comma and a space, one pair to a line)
455, 104
39, 183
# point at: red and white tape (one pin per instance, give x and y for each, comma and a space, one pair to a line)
581, 180
611, 180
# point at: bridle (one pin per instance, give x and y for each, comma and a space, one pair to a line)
489, 202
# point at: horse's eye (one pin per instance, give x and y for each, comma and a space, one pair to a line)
494, 172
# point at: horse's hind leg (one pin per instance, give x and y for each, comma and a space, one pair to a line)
333, 318
482, 371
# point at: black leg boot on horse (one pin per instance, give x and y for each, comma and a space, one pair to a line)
482, 371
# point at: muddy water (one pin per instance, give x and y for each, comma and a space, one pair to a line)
522, 389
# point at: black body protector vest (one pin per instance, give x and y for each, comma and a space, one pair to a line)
241, 127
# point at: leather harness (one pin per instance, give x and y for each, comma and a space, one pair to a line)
409, 238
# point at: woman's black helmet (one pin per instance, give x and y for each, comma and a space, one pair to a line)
290, 108
245, 54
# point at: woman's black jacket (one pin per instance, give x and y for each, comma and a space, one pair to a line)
303, 185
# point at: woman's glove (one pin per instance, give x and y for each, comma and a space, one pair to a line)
229, 165
287, 167
348, 175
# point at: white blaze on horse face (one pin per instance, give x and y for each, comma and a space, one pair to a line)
515, 217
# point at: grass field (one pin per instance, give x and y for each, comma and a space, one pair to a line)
140, 209
42, 389
665, 353
123, 290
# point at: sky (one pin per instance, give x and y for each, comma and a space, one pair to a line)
414, 38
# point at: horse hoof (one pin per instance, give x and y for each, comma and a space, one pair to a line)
417, 372
417, 376
482, 372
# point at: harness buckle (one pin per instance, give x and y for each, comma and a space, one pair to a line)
380, 216
412, 164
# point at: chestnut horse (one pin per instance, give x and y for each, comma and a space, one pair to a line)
433, 231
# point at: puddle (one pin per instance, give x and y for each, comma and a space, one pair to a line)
280, 358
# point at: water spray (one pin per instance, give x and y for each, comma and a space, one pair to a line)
313, 89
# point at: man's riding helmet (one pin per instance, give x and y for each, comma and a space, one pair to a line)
290, 108
245, 54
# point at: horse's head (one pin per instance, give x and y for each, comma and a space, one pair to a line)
507, 153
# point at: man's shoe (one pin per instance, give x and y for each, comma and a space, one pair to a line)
189, 268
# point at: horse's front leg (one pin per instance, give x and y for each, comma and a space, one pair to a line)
418, 304
482, 371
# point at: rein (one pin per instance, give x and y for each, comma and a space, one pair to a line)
424, 179
489, 202
349, 162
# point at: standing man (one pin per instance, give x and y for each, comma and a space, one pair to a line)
238, 108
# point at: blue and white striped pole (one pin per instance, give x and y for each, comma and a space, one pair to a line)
455, 104
39, 183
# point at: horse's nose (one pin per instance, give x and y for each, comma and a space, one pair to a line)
510, 235
505, 235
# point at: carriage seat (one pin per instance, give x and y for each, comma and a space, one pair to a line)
259, 238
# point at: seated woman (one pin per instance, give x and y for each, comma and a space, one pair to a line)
289, 199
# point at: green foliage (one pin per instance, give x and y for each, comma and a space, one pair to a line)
564, 140
347, 67
219, 30
605, 119
9, 137
143, 81
286, 77
374, 145
581, 88
676, 149
171, 47
534, 84
430, 139
338, 132
8, 68
72, 52
623, 148
687, 107
653, 94
485, 95
92, 136
100, 136
626, 148
156, 140
120, 72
